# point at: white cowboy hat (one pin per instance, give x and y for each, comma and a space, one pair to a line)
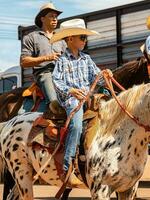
45, 8
148, 22
70, 28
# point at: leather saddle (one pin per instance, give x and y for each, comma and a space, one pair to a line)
33, 90
46, 129
45, 133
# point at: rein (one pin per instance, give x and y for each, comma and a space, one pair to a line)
109, 79
63, 130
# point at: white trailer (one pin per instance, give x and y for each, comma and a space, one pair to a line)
10, 79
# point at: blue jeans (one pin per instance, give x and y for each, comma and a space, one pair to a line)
73, 136
44, 81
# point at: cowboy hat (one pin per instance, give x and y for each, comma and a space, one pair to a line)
148, 22
70, 28
43, 11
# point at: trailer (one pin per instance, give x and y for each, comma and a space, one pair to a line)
10, 79
122, 31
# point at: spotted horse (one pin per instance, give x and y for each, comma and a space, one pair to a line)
115, 148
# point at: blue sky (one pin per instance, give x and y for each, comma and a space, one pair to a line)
22, 12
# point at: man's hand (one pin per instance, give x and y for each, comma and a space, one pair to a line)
109, 72
78, 93
53, 57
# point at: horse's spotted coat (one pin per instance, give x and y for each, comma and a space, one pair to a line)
115, 158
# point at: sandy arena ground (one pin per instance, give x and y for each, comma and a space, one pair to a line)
45, 192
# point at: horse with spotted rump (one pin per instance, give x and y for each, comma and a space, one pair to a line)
115, 148
134, 72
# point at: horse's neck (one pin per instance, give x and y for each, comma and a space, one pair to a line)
136, 101
91, 131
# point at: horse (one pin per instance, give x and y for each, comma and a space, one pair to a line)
133, 72
115, 148
10, 103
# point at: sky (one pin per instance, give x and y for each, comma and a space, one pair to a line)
22, 12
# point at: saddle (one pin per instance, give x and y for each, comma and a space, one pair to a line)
36, 93
33, 90
46, 129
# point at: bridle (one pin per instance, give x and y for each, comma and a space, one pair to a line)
109, 79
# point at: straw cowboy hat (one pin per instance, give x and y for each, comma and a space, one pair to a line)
70, 28
45, 8
148, 22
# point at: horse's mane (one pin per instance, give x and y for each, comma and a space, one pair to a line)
131, 66
111, 113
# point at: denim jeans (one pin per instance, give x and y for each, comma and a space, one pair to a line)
73, 136
44, 81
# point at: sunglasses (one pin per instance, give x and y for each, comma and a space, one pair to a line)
83, 38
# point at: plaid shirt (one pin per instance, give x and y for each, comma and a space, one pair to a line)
71, 72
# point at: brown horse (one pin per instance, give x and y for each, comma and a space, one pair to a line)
132, 73
10, 103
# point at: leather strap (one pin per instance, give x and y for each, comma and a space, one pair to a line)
63, 187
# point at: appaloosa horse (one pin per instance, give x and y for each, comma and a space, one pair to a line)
131, 73
115, 148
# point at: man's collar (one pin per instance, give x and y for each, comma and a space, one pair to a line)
70, 55
43, 33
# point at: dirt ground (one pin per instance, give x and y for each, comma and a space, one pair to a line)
45, 192
48, 192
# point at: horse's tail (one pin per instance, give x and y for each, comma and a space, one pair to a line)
1, 159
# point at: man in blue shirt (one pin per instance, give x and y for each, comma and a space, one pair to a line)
73, 74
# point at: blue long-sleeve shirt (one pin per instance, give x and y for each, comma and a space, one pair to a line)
71, 72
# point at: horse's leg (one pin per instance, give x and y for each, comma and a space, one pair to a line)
23, 179
22, 173
8, 183
14, 194
129, 194
66, 194
100, 192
